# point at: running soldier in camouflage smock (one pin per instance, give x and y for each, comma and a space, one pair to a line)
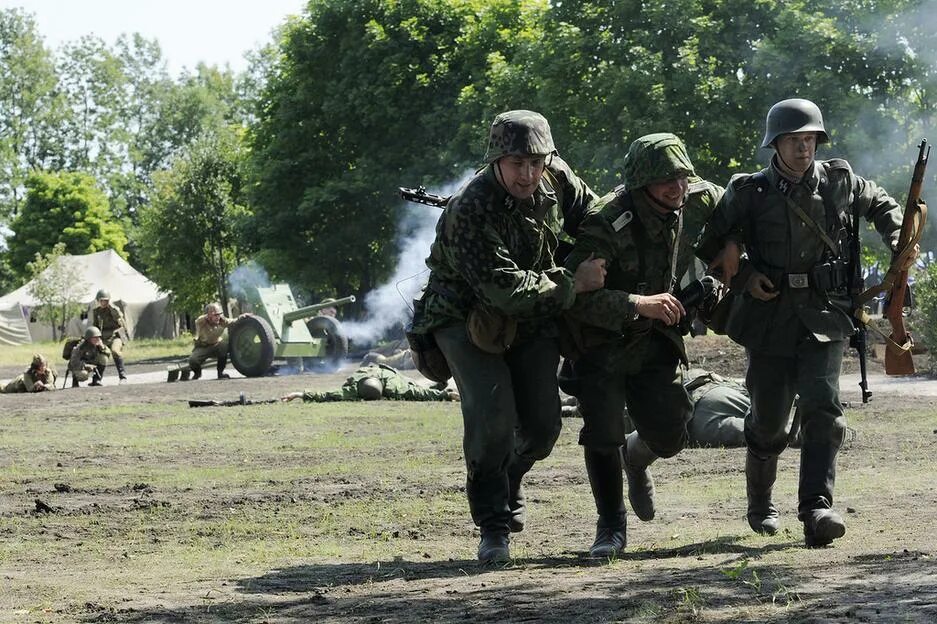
492, 296
793, 316
632, 337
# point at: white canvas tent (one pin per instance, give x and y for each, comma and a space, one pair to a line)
144, 306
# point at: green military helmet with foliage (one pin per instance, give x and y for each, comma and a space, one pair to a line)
794, 115
519, 133
655, 158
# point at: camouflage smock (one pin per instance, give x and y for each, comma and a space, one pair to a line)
637, 242
495, 250
109, 320
26, 382
755, 212
396, 387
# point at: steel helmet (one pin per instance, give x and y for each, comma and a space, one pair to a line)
519, 133
370, 388
102, 294
92, 332
655, 158
794, 115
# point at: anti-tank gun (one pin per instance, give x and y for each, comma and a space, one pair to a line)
279, 328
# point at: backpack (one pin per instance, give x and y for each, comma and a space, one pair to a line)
68, 347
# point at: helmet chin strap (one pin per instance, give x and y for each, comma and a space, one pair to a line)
788, 170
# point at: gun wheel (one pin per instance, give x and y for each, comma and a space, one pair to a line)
336, 342
251, 345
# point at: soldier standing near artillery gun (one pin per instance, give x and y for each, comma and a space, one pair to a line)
793, 315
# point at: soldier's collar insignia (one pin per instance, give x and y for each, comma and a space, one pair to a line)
623, 219
784, 185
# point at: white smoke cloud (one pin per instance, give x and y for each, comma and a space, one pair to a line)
390, 304
249, 274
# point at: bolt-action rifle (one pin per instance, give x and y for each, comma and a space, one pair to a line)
898, 345
420, 196
241, 401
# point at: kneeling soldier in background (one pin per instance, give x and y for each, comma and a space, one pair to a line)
89, 358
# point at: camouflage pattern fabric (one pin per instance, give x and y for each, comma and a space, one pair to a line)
85, 357
655, 158
493, 250
396, 387
26, 382
637, 242
779, 244
520, 133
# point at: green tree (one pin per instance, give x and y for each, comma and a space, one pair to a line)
31, 108
66, 208
363, 97
186, 233
58, 287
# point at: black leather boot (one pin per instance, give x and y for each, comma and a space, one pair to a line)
119, 365
821, 527
605, 478
196, 371
517, 500
760, 474
222, 362
494, 547
97, 375
74, 382
636, 457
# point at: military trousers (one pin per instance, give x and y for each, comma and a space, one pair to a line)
510, 414
658, 404
719, 417
116, 345
200, 354
812, 375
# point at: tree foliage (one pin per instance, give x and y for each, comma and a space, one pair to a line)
186, 233
58, 286
66, 208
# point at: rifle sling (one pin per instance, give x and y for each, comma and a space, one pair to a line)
901, 256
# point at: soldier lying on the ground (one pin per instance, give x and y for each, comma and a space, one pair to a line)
376, 381
719, 408
37, 378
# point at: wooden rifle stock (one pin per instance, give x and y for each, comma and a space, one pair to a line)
898, 351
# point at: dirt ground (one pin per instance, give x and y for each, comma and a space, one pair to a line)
79, 560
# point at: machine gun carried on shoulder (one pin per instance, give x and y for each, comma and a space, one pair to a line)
895, 284
420, 196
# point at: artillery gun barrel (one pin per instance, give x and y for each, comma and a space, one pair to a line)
310, 310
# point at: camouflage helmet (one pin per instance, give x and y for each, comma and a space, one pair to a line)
92, 332
213, 308
655, 158
370, 388
102, 294
519, 133
794, 115
39, 361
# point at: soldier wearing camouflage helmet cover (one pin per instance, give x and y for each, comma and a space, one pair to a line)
795, 219
39, 377
376, 381
630, 330
89, 358
110, 320
491, 303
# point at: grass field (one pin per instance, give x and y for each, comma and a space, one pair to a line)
121, 504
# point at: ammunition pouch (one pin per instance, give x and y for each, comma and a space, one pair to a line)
490, 330
427, 357
825, 277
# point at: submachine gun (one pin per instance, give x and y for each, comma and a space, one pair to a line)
895, 284
420, 196
243, 400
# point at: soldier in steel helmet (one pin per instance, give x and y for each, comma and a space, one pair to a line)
491, 303
211, 341
373, 382
39, 377
110, 320
795, 219
89, 358
630, 330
